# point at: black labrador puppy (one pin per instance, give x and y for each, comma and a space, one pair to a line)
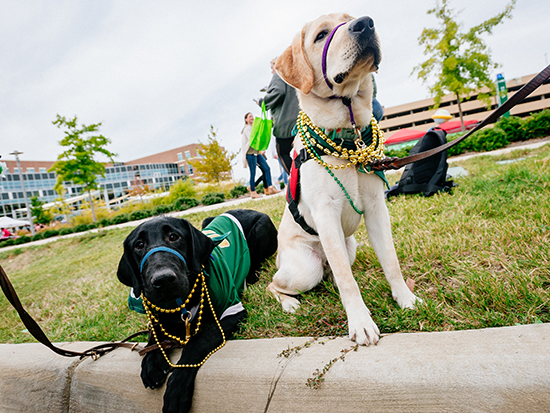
189, 283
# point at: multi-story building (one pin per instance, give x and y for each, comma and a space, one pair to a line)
158, 171
179, 156
418, 115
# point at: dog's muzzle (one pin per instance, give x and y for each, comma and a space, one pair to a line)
363, 27
160, 249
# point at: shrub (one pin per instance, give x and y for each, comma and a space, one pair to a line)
161, 209
51, 233
182, 189
399, 153
104, 222
7, 242
537, 125
119, 219
37, 236
22, 240
488, 140
213, 198
140, 214
183, 203
65, 231
82, 228
512, 126
238, 190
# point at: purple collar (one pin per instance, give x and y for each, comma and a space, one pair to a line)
325, 52
345, 100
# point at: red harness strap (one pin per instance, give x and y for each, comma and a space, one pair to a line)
293, 191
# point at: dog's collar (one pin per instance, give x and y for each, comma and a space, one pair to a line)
325, 53
160, 249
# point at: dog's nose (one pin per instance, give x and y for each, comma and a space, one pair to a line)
363, 26
164, 280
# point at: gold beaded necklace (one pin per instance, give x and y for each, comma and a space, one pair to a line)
149, 307
362, 155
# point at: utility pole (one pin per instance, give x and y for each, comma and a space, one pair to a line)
29, 214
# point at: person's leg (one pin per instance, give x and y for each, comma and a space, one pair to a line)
377, 110
260, 179
284, 148
251, 159
264, 166
284, 176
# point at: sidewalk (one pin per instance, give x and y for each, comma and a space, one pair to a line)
490, 370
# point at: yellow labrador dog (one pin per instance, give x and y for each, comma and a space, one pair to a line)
330, 63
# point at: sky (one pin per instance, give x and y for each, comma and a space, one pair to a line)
157, 74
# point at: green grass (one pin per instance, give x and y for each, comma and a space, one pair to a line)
480, 258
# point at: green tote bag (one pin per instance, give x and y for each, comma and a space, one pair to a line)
261, 131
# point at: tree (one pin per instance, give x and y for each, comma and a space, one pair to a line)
214, 162
77, 163
460, 62
40, 215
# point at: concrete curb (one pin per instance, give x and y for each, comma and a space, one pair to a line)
488, 370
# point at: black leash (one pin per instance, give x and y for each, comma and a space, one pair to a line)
39, 335
520, 95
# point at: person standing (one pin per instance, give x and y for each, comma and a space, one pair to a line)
281, 100
252, 157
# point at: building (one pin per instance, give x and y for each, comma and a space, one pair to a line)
179, 156
418, 115
159, 171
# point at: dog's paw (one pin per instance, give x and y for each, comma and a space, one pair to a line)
179, 391
407, 300
154, 370
363, 330
290, 304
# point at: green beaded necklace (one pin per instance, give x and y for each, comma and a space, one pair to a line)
375, 150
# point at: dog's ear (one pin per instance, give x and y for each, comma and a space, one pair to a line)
128, 271
198, 247
293, 66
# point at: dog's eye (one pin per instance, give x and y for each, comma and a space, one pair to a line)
173, 237
321, 35
139, 245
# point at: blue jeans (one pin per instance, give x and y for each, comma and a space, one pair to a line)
377, 110
262, 163
284, 175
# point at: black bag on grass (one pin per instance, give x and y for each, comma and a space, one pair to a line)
429, 175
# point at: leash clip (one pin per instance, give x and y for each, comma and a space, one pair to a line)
187, 321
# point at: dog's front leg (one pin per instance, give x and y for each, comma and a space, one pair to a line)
181, 384
377, 222
362, 328
154, 367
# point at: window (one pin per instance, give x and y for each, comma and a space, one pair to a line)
187, 154
180, 157
30, 170
190, 168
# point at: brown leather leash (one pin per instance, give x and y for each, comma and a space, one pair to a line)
526, 90
37, 332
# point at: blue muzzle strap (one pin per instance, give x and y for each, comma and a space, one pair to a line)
160, 249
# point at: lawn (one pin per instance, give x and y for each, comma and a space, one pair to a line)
479, 258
